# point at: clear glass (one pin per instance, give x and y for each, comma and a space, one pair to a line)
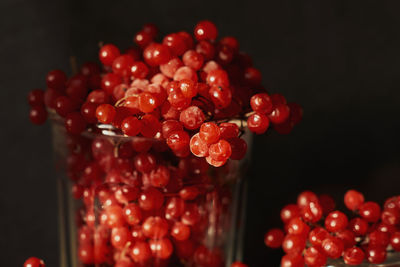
89, 179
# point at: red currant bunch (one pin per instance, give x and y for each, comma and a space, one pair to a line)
315, 232
196, 92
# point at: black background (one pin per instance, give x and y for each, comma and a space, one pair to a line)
339, 59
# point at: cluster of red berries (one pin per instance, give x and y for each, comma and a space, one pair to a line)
170, 90
315, 232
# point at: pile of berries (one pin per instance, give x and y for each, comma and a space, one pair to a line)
315, 232
197, 94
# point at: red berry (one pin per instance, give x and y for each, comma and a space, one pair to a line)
147, 102
185, 72
150, 125
279, 114
376, 254
151, 199
333, 247
120, 236
314, 257
176, 43
353, 256
218, 77
206, 49
274, 238
253, 76
353, 199
317, 235
122, 65
56, 79
75, 123
292, 260
312, 212
293, 244
143, 38
370, 211
336, 221
155, 227
140, 252
38, 115
192, 117
162, 248
305, 198
34, 262
64, 105
395, 241
238, 264
109, 82
198, 146
289, 212
358, 226
327, 203
378, 239
169, 68
131, 126
258, 123
205, 30
180, 231
178, 140
220, 151
98, 97
108, 53
145, 162
156, 54
239, 148
105, 113
296, 226
193, 59
391, 216
261, 103
36, 98
132, 214
230, 41
348, 238
139, 70
170, 126
188, 88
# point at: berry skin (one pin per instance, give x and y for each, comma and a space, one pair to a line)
305, 198
132, 214
353, 199
75, 123
378, 239
317, 235
143, 38
34, 262
218, 77
209, 132
180, 231
109, 82
108, 53
156, 54
258, 123
292, 260
370, 211
139, 70
170, 126
198, 146
169, 68
176, 43
193, 59
395, 241
336, 221
348, 238
353, 256
56, 80
274, 238
293, 244
147, 102
155, 227
358, 226
131, 126
220, 151
105, 113
206, 49
188, 88
314, 257
312, 212
228, 130
333, 247
64, 105
192, 117
279, 114
178, 140
38, 115
327, 203
376, 254
239, 148
140, 252
161, 248
261, 103
122, 65
36, 98
205, 30
289, 212
296, 226
151, 199
391, 216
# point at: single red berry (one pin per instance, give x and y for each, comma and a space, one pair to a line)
151, 29
333, 247
188, 88
150, 125
109, 82
120, 236
261, 103
198, 146
64, 105
122, 65
155, 227
151, 199
359, 226
193, 59
169, 68
205, 30
131, 126
293, 244
162, 248
38, 115
56, 79
391, 216
353, 256
34, 262
292, 260
143, 38
239, 148
75, 123
218, 77
139, 70
220, 151
147, 102
296, 226
289, 212
353, 199
225, 54
395, 241
98, 97
176, 43
317, 235
312, 212
376, 254
336, 221
185, 72
274, 238
348, 238
305, 198
132, 214
108, 53
279, 114
370, 211
206, 49
180, 231
144, 162
105, 113
140, 252
230, 41
156, 54
258, 123
192, 117
178, 140
228, 130
378, 239
36, 98
252, 76
327, 203
314, 257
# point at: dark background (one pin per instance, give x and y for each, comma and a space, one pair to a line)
339, 59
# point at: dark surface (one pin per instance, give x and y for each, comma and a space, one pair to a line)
339, 59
